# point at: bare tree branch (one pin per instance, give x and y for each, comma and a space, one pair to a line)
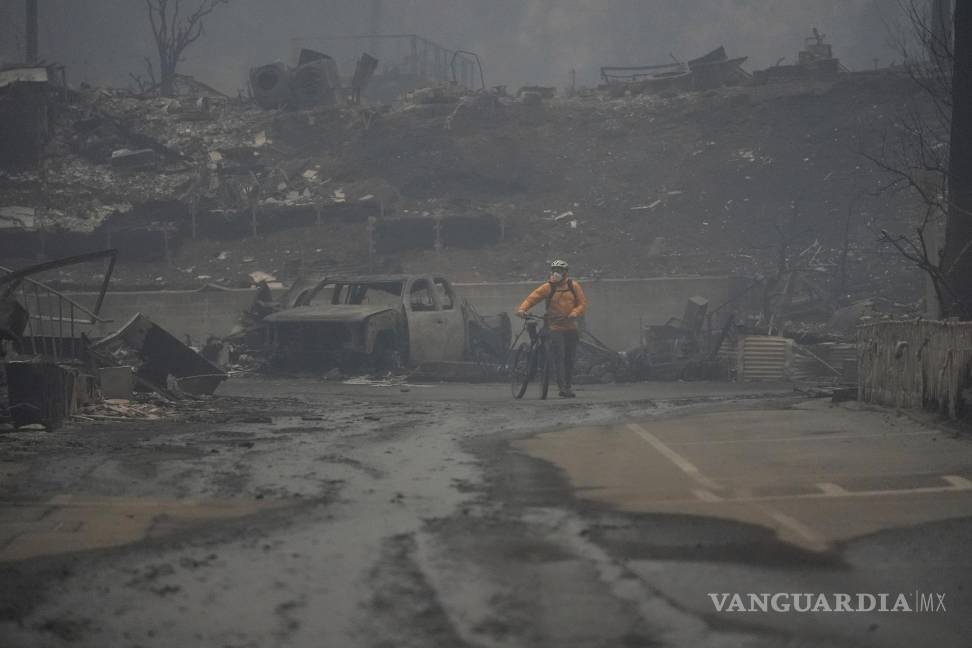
173, 33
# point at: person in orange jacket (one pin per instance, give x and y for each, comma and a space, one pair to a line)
565, 303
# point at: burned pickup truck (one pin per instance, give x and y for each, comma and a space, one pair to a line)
381, 321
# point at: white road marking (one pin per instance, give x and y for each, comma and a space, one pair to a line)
809, 535
706, 495
815, 437
794, 527
960, 483
956, 485
681, 462
832, 490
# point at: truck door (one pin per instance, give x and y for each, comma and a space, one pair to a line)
426, 323
453, 332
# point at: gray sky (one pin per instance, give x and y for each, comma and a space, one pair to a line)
520, 41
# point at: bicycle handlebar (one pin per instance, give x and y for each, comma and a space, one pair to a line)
545, 318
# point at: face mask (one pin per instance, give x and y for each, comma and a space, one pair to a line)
556, 277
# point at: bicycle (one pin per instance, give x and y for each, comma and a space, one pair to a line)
530, 357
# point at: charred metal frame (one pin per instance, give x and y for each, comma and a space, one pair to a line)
427, 59
15, 279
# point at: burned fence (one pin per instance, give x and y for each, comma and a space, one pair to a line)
917, 364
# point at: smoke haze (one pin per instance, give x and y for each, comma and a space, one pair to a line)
520, 41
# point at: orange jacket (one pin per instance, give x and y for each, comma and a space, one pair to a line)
563, 303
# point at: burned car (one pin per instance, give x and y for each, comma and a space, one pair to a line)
382, 321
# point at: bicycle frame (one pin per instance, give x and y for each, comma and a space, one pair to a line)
536, 357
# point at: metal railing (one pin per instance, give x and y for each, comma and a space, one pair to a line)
53, 319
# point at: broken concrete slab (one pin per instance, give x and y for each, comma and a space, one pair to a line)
158, 355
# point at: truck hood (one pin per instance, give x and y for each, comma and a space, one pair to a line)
340, 313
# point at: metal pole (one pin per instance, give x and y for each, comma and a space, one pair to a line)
40, 321
60, 327
30, 322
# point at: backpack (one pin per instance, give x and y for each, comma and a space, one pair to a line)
570, 287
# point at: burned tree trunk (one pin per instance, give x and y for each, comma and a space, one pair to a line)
174, 34
957, 255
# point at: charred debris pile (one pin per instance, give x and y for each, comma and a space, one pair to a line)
693, 167
689, 168
60, 358
147, 174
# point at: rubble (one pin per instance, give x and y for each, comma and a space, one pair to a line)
162, 362
713, 70
115, 409
309, 181
816, 60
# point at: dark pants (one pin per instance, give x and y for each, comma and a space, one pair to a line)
563, 347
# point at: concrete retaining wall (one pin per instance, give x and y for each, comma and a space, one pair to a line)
617, 307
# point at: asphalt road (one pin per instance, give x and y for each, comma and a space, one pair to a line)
303, 513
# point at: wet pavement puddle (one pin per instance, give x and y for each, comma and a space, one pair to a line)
69, 523
811, 491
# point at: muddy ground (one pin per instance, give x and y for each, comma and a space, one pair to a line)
302, 513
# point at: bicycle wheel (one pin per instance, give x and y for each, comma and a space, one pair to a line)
520, 370
545, 367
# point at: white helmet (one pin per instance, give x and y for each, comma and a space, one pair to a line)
559, 264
